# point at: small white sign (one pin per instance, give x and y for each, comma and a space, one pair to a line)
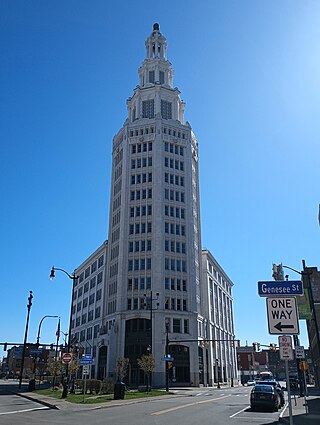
285, 348
85, 370
300, 352
282, 316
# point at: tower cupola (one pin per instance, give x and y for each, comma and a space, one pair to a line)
156, 69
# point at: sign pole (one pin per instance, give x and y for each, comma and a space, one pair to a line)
289, 392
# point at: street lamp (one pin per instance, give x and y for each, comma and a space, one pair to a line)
167, 354
74, 281
151, 311
38, 337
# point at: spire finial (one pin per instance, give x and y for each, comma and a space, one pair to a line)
156, 27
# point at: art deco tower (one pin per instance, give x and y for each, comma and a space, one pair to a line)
154, 242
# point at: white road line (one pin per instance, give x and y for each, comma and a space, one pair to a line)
284, 409
237, 413
24, 410
171, 409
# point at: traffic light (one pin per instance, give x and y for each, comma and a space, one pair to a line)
277, 272
51, 347
254, 346
213, 343
238, 343
258, 346
5, 345
271, 347
169, 365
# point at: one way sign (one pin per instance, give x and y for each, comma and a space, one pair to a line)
282, 316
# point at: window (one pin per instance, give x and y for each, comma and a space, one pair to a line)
95, 331
148, 263
151, 77
148, 282
97, 312
166, 283
86, 287
161, 77
98, 296
93, 282
186, 326
91, 299
166, 110
87, 272
176, 324
148, 108
82, 335
99, 277
93, 267
85, 302
89, 333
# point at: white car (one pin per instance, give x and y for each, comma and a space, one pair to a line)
251, 382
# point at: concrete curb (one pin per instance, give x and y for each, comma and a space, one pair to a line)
37, 400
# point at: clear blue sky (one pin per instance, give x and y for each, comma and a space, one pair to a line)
249, 72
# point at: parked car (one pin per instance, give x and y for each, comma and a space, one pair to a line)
277, 386
251, 382
264, 396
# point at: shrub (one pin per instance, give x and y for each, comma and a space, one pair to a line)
107, 386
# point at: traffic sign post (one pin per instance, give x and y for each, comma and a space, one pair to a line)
66, 358
85, 362
85, 370
285, 347
300, 352
282, 316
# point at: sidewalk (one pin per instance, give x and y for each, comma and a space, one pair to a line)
61, 404
300, 417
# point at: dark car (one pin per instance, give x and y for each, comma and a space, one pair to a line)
264, 396
277, 386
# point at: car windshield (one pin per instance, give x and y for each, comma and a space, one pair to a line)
263, 389
274, 383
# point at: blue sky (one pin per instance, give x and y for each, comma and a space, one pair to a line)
249, 72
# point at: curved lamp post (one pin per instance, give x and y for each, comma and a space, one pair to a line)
74, 280
38, 337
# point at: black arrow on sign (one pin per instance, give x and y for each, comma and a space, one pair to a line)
280, 327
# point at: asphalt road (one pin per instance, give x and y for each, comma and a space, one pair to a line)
201, 406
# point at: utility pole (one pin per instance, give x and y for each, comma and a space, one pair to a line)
25, 338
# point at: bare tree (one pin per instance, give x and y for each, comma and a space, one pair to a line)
122, 367
147, 364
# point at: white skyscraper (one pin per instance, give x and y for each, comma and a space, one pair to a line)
161, 293
154, 251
